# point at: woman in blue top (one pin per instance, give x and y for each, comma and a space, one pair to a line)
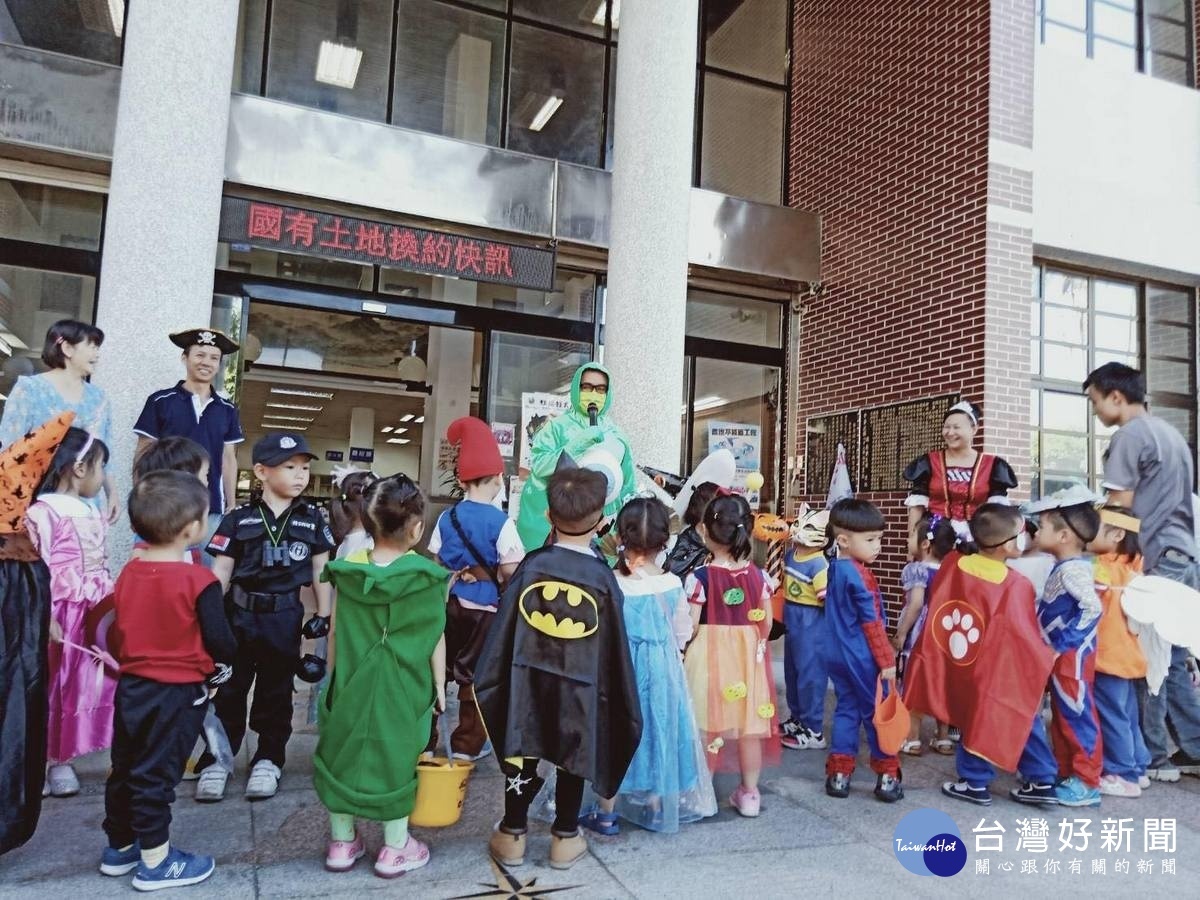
71, 352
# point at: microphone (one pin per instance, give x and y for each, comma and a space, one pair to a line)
592, 414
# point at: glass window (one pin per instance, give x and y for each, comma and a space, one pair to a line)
724, 317
273, 264
1110, 21
1065, 288
247, 55
586, 16
50, 215
1067, 12
741, 151
449, 71
574, 296
31, 300
1066, 325
1065, 412
1108, 31
90, 29
334, 56
555, 95
749, 38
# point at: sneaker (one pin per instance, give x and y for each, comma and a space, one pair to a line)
63, 781
179, 869
888, 788
960, 790
601, 822
1185, 763
507, 848
954, 734
790, 728
1164, 771
484, 751
211, 786
1035, 793
803, 739
1143, 781
1073, 792
748, 803
1115, 786
190, 772
568, 850
838, 785
263, 781
120, 862
392, 863
342, 855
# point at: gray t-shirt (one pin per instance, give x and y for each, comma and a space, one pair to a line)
1149, 457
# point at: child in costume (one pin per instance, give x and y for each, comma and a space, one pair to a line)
178, 454
265, 552
554, 680
689, 550
805, 576
728, 665
25, 612
172, 641
981, 661
476, 539
1069, 612
667, 783
69, 533
935, 538
1120, 662
857, 652
388, 667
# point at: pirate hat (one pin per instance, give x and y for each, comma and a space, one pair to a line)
23, 465
204, 337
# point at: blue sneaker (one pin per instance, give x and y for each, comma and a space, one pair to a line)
179, 869
120, 862
1073, 792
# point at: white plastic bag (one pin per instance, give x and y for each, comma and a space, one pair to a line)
839, 484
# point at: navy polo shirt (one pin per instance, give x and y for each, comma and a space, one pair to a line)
173, 413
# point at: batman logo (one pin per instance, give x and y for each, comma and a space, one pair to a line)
559, 610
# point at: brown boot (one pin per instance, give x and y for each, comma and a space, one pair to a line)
566, 851
507, 849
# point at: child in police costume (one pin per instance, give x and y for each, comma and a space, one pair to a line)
476, 539
265, 552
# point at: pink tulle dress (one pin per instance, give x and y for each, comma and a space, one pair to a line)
69, 534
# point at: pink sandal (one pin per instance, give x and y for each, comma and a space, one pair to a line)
392, 863
342, 855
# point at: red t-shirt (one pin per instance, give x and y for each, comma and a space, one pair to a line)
157, 630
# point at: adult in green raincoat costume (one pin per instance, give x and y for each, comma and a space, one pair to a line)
376, 712
571, 432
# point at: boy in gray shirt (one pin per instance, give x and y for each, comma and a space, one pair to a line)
1148, 467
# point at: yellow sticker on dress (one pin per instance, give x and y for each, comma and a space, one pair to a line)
736, 691
756, 615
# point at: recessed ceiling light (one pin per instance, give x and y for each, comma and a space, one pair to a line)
543, 116
386, 429
399, 441
279, 418
420, 420
598, 18
269, 427
400, 430
408, 417
298, 406
337, 64
297, 392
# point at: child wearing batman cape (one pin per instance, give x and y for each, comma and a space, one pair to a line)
554, 680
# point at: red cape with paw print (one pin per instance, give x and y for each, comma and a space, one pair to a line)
981, 662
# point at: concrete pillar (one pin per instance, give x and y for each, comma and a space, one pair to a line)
450, 370
164, 202
362, 429
648, 256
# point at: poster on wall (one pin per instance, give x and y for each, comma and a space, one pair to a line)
537, 409
506, 437
745, 443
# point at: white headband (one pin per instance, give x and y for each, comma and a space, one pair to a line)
964, 407
87, 445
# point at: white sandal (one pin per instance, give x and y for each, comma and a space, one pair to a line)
911, 748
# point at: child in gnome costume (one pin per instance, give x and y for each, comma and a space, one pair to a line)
388, 661
478, 541
24, 632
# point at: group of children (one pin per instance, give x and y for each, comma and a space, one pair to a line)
640, 681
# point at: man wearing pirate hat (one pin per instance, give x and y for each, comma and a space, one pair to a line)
193, 409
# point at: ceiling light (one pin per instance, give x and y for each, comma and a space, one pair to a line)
300, 407
703, 403
399, 441
280, 418
104, 16
386, 429
407, 417
411, 367
399, 430
547, 111
598, 18
420, 420
269, 426
337, 64
296, 392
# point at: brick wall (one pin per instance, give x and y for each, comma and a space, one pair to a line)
893, 106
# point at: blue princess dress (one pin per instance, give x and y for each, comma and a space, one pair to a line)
667, 782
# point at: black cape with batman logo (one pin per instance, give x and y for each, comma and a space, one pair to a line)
554, 679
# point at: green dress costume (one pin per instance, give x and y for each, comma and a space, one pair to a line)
376, 712
571, 433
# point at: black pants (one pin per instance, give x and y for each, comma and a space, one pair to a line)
466, 630
521, 786
155, 726
267, 652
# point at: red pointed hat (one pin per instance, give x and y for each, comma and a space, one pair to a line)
23, 464
478, 452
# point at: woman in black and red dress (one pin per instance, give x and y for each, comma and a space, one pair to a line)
955, 481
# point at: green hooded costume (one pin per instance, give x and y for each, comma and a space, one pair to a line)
376, 712
572, 433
